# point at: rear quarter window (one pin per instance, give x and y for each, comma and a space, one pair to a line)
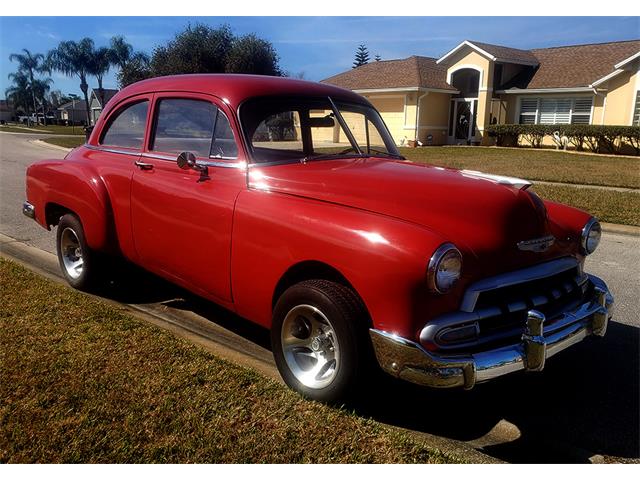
127, 127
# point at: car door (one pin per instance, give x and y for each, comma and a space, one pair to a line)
182, 218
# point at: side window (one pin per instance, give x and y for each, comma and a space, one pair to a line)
126, 128
188, 125
224, 145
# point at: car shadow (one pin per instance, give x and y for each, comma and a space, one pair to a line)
587, 398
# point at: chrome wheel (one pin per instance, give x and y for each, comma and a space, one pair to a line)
310, 346
71, 252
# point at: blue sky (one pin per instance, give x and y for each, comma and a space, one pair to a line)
317, 46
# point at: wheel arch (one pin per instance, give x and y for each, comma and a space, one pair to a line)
313, 270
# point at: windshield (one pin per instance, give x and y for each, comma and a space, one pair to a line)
286, 128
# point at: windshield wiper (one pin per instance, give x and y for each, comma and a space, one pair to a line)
325, 156
387, 154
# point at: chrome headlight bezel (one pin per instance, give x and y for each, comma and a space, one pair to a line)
444, 252
592, 231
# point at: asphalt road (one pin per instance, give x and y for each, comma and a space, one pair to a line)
586, 401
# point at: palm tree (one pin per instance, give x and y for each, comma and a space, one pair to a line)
19, 94
30, 64
101, 62
74, 59
121, 51
40, 88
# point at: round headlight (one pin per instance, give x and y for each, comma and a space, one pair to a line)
445, 268
591, 234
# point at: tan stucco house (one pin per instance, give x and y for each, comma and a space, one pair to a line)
450, 100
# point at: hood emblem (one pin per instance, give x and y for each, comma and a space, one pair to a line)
537, 244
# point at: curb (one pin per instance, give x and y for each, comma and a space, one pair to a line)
631, 230
41, 143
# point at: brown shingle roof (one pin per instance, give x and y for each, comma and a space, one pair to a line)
579, 65
507, 54
559, 67
409, 72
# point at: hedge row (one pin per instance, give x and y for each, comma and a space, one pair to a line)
597, 138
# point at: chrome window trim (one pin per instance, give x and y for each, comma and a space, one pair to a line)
113, 150
512, 278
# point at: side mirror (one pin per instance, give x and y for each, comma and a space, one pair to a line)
187, 160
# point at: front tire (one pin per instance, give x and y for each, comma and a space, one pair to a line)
319, 340
79, 264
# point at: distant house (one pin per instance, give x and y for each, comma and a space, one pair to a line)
6, 113
452, 99
74, 112
95, 101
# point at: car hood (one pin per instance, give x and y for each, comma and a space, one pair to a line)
479, 213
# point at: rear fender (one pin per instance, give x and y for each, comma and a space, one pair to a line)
76, 187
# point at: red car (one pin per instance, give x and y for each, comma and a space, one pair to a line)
287, 202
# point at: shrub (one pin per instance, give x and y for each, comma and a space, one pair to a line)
597, 138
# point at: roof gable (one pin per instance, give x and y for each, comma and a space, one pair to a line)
495, 53
108, 94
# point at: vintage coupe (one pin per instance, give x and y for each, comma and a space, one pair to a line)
287, 202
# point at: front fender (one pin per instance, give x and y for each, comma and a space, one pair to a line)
383, 258
74, 186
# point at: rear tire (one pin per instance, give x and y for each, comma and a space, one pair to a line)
320, 342
79, 264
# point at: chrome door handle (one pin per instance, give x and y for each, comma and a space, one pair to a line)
143, 165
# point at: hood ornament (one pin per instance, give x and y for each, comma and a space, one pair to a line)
541, 244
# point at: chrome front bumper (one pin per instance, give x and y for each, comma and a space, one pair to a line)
409, 361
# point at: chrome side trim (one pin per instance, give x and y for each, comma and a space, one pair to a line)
529, 274
29, 210
170, 158
410, 361
204, 163
112, 150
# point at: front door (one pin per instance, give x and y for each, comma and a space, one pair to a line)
462, 128
182, 219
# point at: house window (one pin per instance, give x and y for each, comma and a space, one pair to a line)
556, 111
636, 111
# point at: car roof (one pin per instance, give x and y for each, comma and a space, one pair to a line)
235, 88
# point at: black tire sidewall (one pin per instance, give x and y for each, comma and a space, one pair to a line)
347, 337
84, 281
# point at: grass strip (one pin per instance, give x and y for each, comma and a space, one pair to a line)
67, 142
82, 381
607, 205
49, 129
535, 164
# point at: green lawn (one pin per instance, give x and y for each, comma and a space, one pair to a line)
67, 142
81, 381
535, 164
606, 205
50, 129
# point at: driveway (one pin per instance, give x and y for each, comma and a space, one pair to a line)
587, 400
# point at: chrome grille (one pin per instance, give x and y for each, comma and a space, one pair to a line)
494, 310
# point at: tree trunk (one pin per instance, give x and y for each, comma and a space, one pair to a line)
84, 87
101, 92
